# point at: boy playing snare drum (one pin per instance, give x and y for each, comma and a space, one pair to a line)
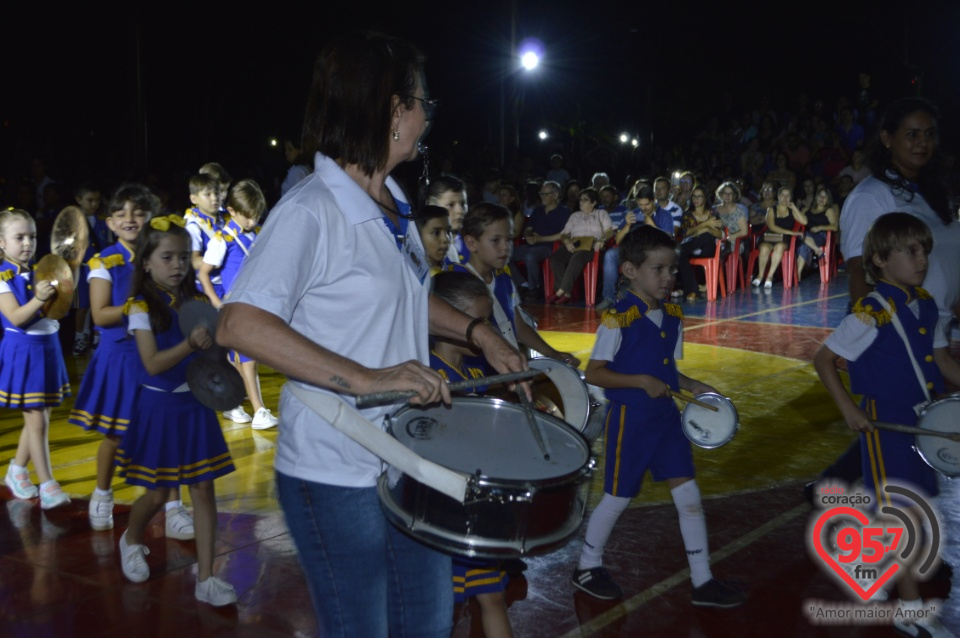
634, 358
895, 258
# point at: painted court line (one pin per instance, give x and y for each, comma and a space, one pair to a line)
682, 576
714, 322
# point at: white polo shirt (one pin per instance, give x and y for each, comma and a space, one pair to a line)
873, 198
327, 265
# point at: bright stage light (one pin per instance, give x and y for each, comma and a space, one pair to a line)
542, 135
530, 52
624, 138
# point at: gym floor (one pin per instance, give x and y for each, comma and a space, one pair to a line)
59, 578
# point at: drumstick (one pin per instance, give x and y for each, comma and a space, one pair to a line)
907, 429
684, 397
534, 424
392, 396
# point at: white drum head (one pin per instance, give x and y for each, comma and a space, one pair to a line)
709, 429
569, 388
939, 453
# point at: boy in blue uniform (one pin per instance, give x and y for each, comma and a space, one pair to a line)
634, 358
226, 253
895, 258
204, 220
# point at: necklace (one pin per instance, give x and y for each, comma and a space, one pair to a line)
389, 208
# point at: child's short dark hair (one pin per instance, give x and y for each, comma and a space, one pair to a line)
86, 187
141, 197
638, 244
217, 171
428, 212
482, 215
893, 231
247, 199
459, 289
203, 182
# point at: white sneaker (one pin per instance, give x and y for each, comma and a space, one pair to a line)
756, 282
216, 592
264, 420
53, 496
20, 484
768, 284
101, 511
133, 561
237, 415
179, 524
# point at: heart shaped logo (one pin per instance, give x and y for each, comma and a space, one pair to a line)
834, 564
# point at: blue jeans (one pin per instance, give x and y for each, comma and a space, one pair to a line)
366, 577
531, 257
611, 273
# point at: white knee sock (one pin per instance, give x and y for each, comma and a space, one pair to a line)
693, 528
598, 529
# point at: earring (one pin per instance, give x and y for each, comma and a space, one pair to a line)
396, 135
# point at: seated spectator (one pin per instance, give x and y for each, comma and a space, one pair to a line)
661, 188
732, 213
508, 198
584, 234
823, 216
701, 229
571, 195
805, 197
780, 221
851, 133
557, 172
782, 173
857, 170
542, 228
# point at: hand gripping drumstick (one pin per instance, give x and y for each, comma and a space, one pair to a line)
906, 429
392, 396
684, 397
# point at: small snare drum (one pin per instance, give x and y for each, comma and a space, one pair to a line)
709, 429
939, 453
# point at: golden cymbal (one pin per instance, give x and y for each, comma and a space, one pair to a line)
58, 272
70, 236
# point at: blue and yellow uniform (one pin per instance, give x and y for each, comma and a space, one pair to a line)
227, 252
642, 432
885, 377
470, 576
32, 372
174, 439
108, 393
505, 296
203, 229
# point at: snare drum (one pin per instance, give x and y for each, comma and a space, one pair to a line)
565, 395
517, 504
939, 453
709, 429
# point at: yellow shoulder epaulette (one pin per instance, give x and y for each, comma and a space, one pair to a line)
922, 293
873, 316
7, 275
138, 305
672, 309
506, 269
110, 262
613, 319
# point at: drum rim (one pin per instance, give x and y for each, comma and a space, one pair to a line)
918, 438
556, 363
492, 481
479, 547
736, 421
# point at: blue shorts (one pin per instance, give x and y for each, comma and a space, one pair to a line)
634, 443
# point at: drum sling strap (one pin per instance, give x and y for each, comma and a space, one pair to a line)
906, 343
351, 423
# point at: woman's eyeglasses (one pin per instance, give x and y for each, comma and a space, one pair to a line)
430, 105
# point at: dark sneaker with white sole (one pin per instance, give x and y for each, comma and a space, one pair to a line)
717, 593
596, 582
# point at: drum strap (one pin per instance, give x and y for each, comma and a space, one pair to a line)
906, 343
351, 423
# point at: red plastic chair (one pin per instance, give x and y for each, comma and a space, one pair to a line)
734, 265
829, 263
789, 273
590, 275
714, 272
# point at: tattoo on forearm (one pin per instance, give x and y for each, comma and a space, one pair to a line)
340, 381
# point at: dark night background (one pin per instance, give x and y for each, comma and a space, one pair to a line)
216, 82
